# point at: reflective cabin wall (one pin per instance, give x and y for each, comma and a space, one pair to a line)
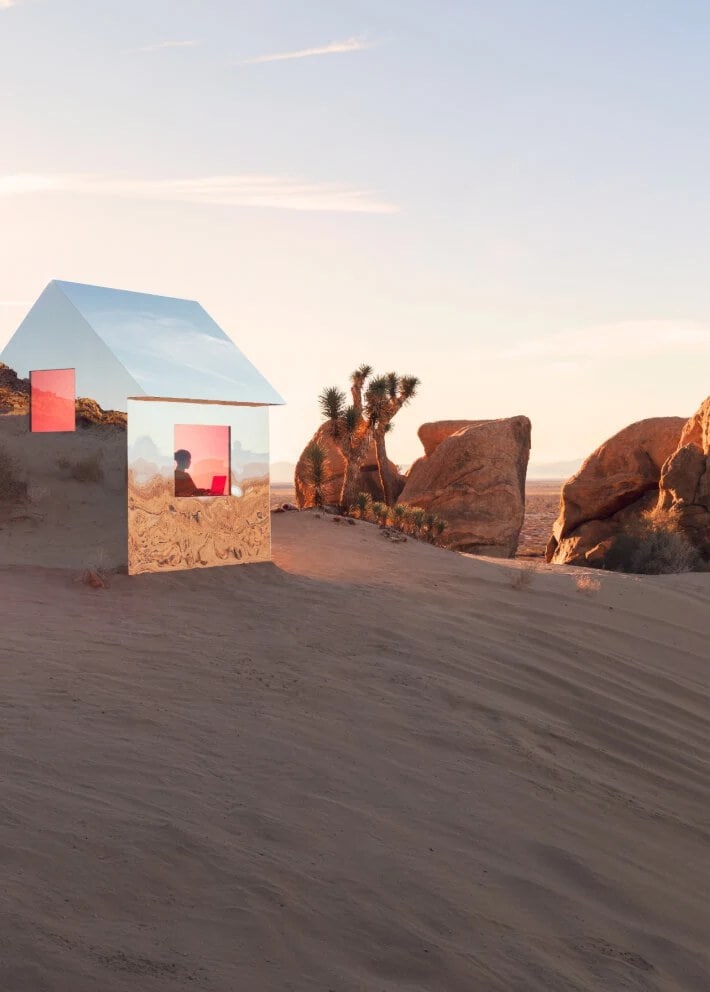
167, 533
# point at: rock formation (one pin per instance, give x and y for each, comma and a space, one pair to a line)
661, 465
684, 489
473, 476
14, 392
335, 471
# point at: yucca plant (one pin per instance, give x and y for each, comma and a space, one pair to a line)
332, 406
316, 472
379, 512
418, 516
407, 524
362, 504
429, 519
440, 526
397, 515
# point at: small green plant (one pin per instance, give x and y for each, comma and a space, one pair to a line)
362, 505
316, 472
380, 512
440, 525
397, 515
418, 518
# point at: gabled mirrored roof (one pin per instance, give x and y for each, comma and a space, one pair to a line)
172, 348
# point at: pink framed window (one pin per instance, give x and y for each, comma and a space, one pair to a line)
202, 462
52, 400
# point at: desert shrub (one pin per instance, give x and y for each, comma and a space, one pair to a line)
88, 469
13, 488
380, 512
418, 518
397, 515
440, 526
588, 584
653, 545
522, 577
362, 505
316, 472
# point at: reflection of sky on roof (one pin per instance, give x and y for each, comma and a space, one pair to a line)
171, 347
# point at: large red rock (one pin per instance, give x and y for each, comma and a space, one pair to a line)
335, 472
617, 474
474, 478
659, 467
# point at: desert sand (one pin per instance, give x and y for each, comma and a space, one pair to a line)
363, 766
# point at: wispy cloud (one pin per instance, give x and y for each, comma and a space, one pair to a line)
160, 45
629, 339
229, 191
334, 48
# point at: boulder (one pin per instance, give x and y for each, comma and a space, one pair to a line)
432, 434
335, 472
474, 478
659, 467
616, 475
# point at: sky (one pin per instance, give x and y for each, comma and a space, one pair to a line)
507, 200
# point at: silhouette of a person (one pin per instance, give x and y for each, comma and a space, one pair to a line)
184, 486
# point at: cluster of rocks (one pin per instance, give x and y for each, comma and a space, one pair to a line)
472, 474
661, 465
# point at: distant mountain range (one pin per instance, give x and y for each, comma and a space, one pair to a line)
553, 470
282, 472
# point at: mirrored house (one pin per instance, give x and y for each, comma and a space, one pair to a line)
197, 439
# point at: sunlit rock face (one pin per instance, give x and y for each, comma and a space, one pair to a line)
473, 476
660, 466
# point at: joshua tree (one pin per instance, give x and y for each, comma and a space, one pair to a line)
384, 398
369, 417
351, 433
316, 474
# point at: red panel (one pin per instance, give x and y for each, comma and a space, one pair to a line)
209, 454
52, 399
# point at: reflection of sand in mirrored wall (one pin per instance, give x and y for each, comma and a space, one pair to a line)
186, 389
168, 531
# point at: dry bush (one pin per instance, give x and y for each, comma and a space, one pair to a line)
588, 584
13, 488
88, 469
653, 545
522, 578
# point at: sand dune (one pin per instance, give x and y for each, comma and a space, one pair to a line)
365, 767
